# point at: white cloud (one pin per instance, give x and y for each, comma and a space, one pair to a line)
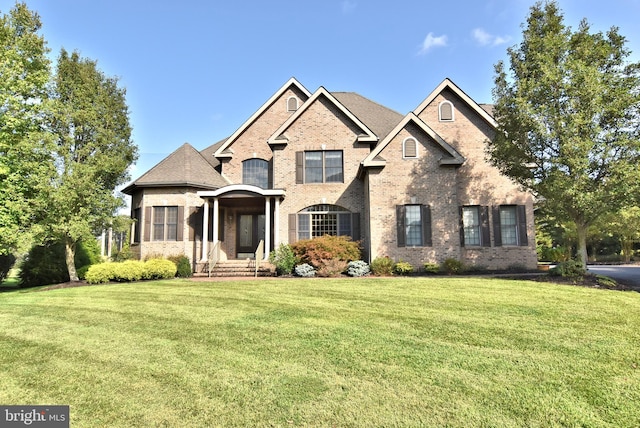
348, 6
432, 41
485, 39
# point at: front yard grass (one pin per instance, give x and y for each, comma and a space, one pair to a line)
331, 352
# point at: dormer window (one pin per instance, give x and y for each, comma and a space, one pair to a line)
292, 104
445, 111
410, 148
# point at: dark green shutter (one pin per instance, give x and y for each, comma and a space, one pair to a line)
147, 224
497, 231
299, 167
355, 226
485, 234
521, 211
180, 225
400, 228
426, 226
293, 230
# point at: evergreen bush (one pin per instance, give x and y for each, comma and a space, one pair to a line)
183, 266
402, 268
305, 270
452, 266
6, 263
382, 266
159, 269
358, 268
283, 259
568, 269
432, 268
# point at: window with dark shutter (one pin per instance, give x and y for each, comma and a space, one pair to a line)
413, 226
510, 225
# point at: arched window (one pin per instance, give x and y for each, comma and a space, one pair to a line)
445, 111
256, 173
325, 219
410, 148
292, 103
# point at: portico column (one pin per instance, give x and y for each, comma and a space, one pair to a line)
216, 221
276, 222
267, 226
205, 231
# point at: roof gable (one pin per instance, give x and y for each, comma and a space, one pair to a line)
448, 84
374, 158
366, 135
380, 119
221, 151
184, 167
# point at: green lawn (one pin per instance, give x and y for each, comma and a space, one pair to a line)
348, 352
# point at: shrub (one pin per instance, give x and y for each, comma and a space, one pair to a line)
100, 274
402, 268
431, 268
313, 251
6, 263
568, 269
283, 259
382, 266
358, 268
159, 269
452, 266
333, 267
183, 266
305, 270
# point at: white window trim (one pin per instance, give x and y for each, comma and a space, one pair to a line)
453, 111
404, 151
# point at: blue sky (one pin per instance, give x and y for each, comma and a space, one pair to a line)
195, 70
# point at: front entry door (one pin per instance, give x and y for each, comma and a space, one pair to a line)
250, 232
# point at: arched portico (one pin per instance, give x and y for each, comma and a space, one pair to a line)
256, 212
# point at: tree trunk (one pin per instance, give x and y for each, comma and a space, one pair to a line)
582, 244
70, 255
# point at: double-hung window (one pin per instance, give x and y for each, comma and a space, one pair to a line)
413, 224
321, 166
165, 223
475, 226
510, 225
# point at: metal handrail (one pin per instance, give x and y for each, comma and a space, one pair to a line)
259, 255
214, 257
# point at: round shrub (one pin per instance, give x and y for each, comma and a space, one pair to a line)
183, 266
159, 269
402, 268
305, 270
382, 266
452, 266
431, 268
358, 268
568, 269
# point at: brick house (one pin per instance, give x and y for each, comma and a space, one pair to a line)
416, 188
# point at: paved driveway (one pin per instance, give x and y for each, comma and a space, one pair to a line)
625, 274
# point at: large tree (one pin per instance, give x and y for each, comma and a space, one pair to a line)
93, 149
24, 159
568, 119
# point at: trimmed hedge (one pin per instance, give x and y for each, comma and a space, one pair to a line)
315, 251
131, 270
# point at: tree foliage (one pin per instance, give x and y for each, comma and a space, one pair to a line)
92, 146
24, 159
568, 114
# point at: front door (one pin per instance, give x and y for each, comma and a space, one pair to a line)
250, 232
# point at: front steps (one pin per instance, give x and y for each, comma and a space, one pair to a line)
233, 268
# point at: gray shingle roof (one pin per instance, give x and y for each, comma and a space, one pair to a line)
184, 167
380, 119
